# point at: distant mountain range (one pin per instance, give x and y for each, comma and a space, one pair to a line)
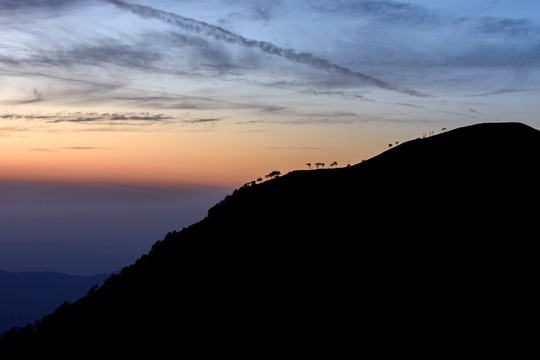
428, 245
28, 296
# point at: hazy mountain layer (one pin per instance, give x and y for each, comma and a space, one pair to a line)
28, 296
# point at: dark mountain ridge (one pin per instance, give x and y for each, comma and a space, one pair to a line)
392, 253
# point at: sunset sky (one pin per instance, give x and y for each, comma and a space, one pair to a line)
205, 95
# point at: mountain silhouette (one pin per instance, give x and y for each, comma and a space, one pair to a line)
427, 245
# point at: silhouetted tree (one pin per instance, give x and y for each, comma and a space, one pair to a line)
273, 174
333, 164
259, 179
389, 145
309, 165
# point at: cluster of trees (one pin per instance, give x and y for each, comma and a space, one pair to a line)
424, 135
242, 190
272, 175
318, 165
275, 173
431, 133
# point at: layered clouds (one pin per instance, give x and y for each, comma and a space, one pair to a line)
165, 93
215, 54
255, 67
116, 68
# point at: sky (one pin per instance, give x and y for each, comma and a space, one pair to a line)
193, 98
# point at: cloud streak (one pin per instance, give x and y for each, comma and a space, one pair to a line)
261, 62
202, 121
85, 148
221, 34
70, 148
133, 119
387, 11
14, 4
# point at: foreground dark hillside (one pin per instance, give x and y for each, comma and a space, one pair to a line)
426, 241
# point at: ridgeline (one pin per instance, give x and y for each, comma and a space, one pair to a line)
420, 247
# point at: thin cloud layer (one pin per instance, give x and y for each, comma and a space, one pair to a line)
220, 34
220, 92
210, 55
97, 118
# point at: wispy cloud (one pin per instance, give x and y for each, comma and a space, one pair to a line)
85, 148
29, 4
93, 118
139, 117
509, 27
10, 130
202, 121
392, 12
223, 35
37, 97
197, 58
70, 148
343, 94
42, 150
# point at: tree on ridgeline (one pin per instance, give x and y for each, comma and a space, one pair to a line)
273, 174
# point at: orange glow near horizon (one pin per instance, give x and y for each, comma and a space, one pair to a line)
103, 93
222, 157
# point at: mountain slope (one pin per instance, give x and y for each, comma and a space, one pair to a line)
28, 296
408, 245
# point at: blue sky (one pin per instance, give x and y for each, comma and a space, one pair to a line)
240, 58
210, 94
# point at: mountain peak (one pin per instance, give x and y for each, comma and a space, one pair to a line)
493, 135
